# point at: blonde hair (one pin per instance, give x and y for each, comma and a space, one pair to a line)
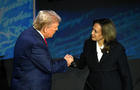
45, 17
109, 32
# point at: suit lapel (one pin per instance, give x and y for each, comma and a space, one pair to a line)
102, 58
37, 35
105, 55
94, 52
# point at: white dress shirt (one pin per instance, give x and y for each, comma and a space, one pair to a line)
99, 52
39, 33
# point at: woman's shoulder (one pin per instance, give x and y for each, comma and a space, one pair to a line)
117, 45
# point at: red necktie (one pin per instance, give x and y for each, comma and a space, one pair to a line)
45, 42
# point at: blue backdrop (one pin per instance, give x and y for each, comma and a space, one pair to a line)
75, 28
15, 16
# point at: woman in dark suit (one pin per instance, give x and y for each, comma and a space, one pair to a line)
105, 58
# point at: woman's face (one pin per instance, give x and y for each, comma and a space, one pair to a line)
97, 32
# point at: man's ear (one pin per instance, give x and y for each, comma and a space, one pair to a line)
45, 29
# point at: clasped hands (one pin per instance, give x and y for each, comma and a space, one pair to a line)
69, 59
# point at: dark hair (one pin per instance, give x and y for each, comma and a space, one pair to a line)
108, 32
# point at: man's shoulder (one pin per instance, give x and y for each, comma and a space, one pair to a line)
27, 35
29, 29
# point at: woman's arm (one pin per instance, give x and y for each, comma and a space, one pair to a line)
124, 70
81, 62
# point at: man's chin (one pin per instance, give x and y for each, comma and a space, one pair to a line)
51, 37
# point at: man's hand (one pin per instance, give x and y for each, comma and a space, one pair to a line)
69, 59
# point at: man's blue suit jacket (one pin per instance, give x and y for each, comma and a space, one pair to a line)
33, 66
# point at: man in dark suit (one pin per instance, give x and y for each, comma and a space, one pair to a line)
33, 66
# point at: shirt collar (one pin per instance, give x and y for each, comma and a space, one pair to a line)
98, 46
39, 33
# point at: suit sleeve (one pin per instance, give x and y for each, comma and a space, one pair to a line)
80, 62
41, 58
124, 70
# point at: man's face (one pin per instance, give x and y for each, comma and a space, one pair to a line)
50, 30
97, 32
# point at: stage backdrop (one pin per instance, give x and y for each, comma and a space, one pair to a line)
15, 16
75, 28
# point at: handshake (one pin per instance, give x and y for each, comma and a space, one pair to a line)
69, 59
